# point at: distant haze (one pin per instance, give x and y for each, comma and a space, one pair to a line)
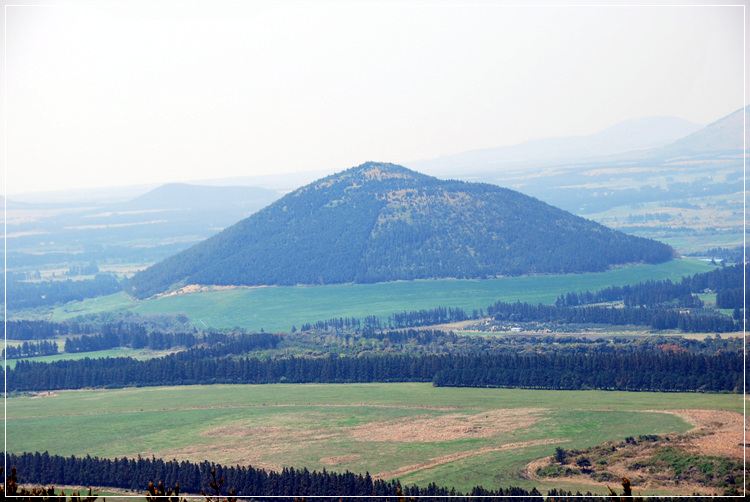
119, 93
634, 134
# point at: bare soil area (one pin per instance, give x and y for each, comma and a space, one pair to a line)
256, 444
715, 434
448, 427
341, 459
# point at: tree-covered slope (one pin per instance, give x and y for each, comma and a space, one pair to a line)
382, 222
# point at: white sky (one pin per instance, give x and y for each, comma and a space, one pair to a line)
131, 92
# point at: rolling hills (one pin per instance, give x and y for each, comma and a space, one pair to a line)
382, 222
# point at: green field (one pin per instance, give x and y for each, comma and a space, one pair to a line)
118, 352
280, 308
472, 436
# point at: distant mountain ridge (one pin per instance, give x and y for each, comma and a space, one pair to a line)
180, 196
726, 134
382, 222
633, 134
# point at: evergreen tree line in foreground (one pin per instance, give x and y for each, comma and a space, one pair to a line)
666, 372
247, 481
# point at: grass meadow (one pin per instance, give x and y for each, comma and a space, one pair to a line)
117, 352
458, 437
279, 308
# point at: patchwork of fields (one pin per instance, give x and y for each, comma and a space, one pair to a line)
280, 308
414, 432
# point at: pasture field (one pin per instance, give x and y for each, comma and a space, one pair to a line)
280, 308
458, 437
118, 352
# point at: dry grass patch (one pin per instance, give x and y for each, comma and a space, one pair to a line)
237, 431
341, 459
716, 432
448, 427
240, 443
708, 459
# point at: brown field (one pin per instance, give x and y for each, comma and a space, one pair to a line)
716, 433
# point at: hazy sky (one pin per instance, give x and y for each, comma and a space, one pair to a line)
128, 92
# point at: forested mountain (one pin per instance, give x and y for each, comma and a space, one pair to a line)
382, 222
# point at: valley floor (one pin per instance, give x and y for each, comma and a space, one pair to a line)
459, 437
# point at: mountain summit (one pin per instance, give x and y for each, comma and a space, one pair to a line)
383, 222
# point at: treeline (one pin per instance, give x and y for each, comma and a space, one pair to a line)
399, 320
336, 324
427, 317
136, 337
633, 372
643, 294
731, 299
30, 349
436, 341
654, 293
23, 295
247, 481
700, 321
42, 330
734, 255
658, 304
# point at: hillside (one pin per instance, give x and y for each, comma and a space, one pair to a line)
382, 222
722, 135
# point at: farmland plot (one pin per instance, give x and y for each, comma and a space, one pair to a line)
414, 432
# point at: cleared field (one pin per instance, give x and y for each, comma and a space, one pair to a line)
119, 352
280, 308
416, 432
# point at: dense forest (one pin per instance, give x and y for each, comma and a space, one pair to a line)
247, 481
382, 222
22, 295
666, 372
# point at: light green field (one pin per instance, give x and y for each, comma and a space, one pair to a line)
119, 352
280, 308
466, 436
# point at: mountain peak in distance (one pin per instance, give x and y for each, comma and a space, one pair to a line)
383, 222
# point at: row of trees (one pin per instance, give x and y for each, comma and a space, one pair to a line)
41, 330
208, 478
644, 372
637, 372
690, 321
30, 349
660, 305
135, 474
655, 293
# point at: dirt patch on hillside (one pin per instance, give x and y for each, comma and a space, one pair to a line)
716, 432
197, 288
341, 459
707, 459
237, 431
447, 427
46, 393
